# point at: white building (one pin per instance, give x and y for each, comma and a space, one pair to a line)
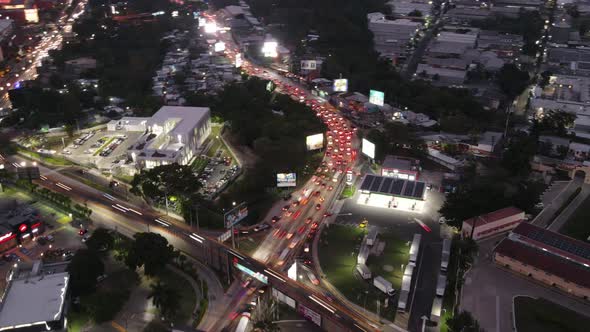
172, 135
492, 223
566, 93
35, 301
391, 36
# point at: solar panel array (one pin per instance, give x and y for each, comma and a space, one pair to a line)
558, 242
392, 186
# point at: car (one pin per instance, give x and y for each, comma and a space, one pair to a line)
318, 206
282, 234
301, 229
308, 220
82, 231
321, 199
101, 277
295, 204
274, 219
323, 185
286, 207
261, 227
85, 238
330, 188
364, 223
288, 214
317, 193
314, 225
68, 255
297, 214
289, 235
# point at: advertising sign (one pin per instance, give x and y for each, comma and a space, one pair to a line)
219, 46
349, 177
308, 65
256, 275
314, 142
292, 272
310, 314
368, 149
269, 49
341, 85
239, 60
235, 215
286, 180
376, 97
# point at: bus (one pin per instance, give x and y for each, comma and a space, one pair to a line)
243, 323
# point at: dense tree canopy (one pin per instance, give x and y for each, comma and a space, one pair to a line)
512, 80
150, 251
171, 179
519, 154
84, 268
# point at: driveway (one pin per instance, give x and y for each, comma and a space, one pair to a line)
488, 292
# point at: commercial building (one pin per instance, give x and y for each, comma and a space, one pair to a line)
35, 299
18, 226
172, 135
391, 36
547, 257
492, 223
565, 93
387, 192
400, 168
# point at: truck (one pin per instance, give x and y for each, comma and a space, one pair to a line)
364, 271
415, 248
243, 322
283, 256
383, 285
436, 309
441, 284
446, 253
402, 301
363, 255
372, 236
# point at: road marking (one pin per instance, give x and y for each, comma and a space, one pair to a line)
196, 237
162, 222
118, 208
63, 186
136, 212
109, 197
44, 178
322, 303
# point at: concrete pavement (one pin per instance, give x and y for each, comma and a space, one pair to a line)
565, 215
544, 218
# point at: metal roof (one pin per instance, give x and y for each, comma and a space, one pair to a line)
392, 186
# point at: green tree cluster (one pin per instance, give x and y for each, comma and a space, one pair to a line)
150, 251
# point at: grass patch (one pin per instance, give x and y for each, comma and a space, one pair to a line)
577, 225
348, 192
187, 298
541, 315
102, 147
199, 164
395, 253
77, 320
338, 252
49, 160
46, 208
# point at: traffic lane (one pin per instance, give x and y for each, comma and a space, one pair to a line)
297, 326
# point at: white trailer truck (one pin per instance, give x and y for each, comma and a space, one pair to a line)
383, 285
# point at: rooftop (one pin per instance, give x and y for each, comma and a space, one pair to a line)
33, 300
391, 186
186, 118
494, 216
397, 163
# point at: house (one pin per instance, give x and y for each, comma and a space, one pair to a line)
400, 168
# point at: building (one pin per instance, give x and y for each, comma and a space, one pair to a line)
35, 299
172, 135
547, 257
6, 37
387, 192
77, 66
18, 226
564, 93
492, 223
21, 11
400, 168
486, 143
391, 36
405, 7
506, 46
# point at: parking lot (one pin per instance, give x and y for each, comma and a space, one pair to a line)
216, 172
103, 149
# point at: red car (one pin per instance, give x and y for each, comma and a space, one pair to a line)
314, 225
308, 220
301, 229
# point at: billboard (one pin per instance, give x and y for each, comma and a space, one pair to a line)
308, 65
219, 47
239, 60
376, 97
256, 275
235, 215
349, 177
269, 49
286, 180
341, 85
368, 149
314, 142
310, 314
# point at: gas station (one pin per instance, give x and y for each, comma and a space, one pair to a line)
392, 193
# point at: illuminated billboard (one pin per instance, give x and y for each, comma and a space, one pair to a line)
286, 180
235, 215
211, 27
219, 46
256, 275
269, 49
368, 149
376, 97
308, 65
239, 61
341, 85
314, 142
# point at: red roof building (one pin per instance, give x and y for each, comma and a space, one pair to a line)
549, 257
492, 223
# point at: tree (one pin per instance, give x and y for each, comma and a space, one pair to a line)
160, 181
150, 251
155, 326
101, 239
519, 154
84, 268
463, 322
166, 299
555, 122
415, 13
512, 80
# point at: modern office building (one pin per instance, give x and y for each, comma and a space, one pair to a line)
172, 135
547, 257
